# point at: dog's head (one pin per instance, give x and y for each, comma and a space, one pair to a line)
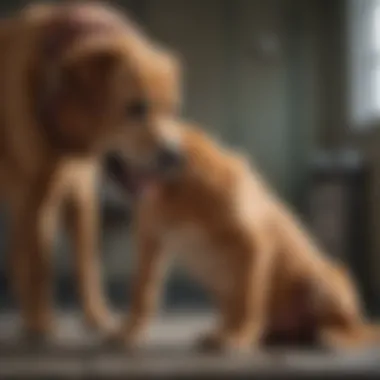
169, 154
98, 82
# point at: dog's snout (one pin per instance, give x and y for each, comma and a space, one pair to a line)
169, 159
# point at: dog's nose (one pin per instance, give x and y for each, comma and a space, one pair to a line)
169, 159
114, 164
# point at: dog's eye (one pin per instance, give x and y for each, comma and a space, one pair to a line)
137, 109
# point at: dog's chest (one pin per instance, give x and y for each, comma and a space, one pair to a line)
202, 257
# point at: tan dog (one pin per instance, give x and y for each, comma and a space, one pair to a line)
75, 80
268, 279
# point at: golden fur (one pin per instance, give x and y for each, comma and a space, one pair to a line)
69, 76
268, 279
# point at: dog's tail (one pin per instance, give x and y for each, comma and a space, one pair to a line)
363, 336
371, 332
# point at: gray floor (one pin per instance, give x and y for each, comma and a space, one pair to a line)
75, 353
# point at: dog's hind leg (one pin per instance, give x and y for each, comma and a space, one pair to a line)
82, 222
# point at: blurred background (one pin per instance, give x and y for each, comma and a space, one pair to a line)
294, 83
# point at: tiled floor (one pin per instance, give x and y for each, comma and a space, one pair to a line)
168, 351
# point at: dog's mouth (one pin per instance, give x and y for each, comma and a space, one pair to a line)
132, 180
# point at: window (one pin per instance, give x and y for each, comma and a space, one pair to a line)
364, 58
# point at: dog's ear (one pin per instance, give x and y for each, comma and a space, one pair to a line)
97, 67
97, 55
169, 63
37, 11
168, 82
84, 81
103, 62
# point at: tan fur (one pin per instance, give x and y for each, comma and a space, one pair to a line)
266, 275
43, 167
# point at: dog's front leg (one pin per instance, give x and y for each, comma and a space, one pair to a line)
146, 288
244, 311
82, 223
33, 220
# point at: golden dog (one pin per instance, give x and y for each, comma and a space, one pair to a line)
268, 279
75, 80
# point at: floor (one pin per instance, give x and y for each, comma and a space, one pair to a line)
167, 353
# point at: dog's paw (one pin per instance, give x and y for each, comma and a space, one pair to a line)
216, 342
39, 337
209, 342
106, 324
124, 340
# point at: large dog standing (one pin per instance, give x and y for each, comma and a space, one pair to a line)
268, 279
75, 79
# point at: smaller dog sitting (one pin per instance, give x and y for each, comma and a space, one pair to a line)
270, 282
